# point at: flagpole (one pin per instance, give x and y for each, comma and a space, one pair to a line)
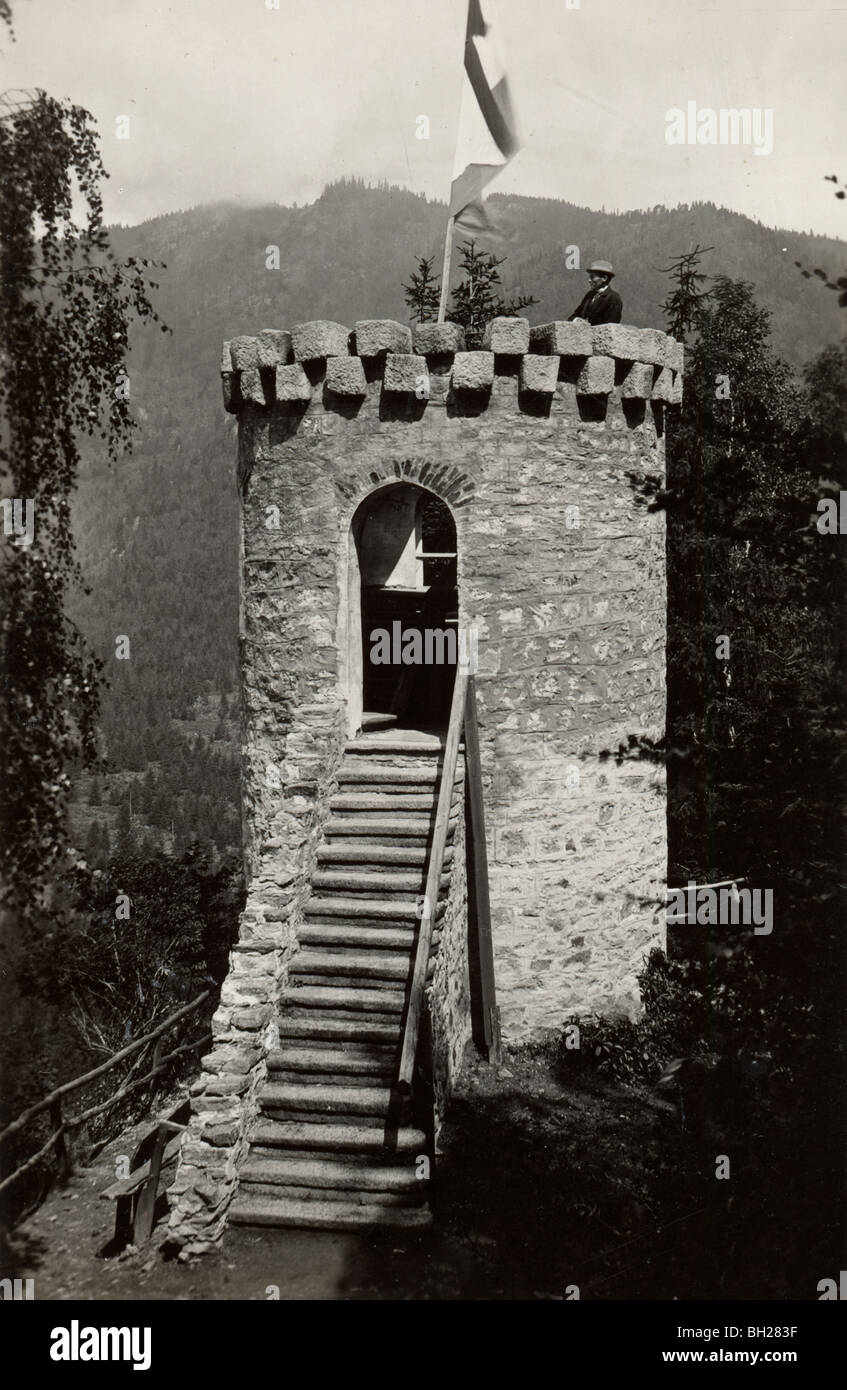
445, 269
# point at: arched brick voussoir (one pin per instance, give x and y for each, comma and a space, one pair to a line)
453, 485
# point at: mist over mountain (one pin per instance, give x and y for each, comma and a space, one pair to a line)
158, 531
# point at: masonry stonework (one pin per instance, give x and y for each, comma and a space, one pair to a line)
548, 448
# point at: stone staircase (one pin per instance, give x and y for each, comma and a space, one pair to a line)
335, 1147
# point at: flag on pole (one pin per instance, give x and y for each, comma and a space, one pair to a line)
487, 137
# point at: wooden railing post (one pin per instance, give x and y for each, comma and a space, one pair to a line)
60, 1146
479, 866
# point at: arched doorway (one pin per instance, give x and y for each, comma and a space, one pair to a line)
402, 609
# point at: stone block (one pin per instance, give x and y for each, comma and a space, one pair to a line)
507, 335
274, 347
663, 386
345, 376
562, 337
377, 336
674, 354
473, 371
245, 353
220, 1136
406, 372
676, 390
539, 373
438, 337
638, 382
617, 340
232, 396
226, 357
653, 347
597, 377
292, 384
319, 338
232, 1085
252, 391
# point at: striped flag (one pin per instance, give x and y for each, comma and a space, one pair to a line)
487, 135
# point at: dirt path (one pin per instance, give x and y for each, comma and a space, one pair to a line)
546, 1182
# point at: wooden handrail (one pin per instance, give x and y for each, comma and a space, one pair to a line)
433, 881
78, 1081
478, 857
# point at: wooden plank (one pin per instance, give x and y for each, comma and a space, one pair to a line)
433, 878
142, 1224
125, 1187
479, 867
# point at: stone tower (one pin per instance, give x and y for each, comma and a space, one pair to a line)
534, 463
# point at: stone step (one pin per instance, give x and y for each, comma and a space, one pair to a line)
354, 852
375, 909
382, 801
326, 1216
366, 938
394, 745
355, 1018
278, 1191
361, 771
381, 1001
356, 964
406, 829
314, 1025
338, 1173
310, 1098
302, 1134
380, 880
333, 1061
353, 982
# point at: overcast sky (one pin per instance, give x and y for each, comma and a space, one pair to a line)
232, 99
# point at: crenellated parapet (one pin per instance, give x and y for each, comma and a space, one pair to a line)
326, 360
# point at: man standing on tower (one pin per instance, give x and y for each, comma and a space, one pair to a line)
601, 304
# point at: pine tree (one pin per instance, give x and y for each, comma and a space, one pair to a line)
424, 292
684, 308
476, 299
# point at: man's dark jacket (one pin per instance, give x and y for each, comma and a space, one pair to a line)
603, 306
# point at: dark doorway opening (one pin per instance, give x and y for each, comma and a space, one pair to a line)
406, 543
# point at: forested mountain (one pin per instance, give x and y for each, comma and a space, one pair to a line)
158, 531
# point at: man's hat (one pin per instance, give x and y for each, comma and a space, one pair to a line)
601, 266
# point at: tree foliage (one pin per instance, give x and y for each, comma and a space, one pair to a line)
422, 294
66, 306
683, 305
476, 299
136, 941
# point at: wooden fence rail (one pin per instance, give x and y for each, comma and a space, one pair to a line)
62, 1125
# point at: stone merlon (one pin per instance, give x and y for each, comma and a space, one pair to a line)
611, 358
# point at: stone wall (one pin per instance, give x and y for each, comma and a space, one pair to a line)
448, 996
